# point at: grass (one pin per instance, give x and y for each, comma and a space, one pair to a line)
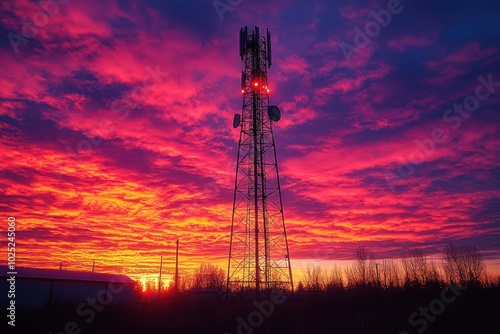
353, 312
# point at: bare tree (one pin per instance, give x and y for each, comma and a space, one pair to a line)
138, 289
463, 265
490, 281
334, 280
361, 273
390, 274
208, 276
495, 282
300, 287
362, 267
314, 279
415, 268
374, 277
151, 287
433, 275
352, 278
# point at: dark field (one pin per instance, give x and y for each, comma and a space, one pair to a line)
474, 310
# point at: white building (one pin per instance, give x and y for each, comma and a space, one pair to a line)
37, 288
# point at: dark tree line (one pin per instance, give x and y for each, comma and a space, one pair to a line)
206, 276
461, 264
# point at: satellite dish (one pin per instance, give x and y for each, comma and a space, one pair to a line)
274, 113
236, 120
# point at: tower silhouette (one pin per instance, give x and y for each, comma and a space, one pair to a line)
258, 254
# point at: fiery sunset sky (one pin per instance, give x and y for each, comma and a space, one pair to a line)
116, 133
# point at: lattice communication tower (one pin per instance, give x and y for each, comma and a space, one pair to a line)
258, 254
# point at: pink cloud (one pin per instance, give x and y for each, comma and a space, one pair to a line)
405, 42
458, 63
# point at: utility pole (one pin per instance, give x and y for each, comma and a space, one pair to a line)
93, 263
177, 267
159, 280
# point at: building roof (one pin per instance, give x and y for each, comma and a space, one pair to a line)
64, 275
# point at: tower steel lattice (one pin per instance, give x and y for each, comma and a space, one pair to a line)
259, 258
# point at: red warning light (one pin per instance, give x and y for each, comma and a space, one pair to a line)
256, 84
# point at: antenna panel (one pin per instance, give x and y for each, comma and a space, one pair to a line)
269, 55
236, 120
242, 43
